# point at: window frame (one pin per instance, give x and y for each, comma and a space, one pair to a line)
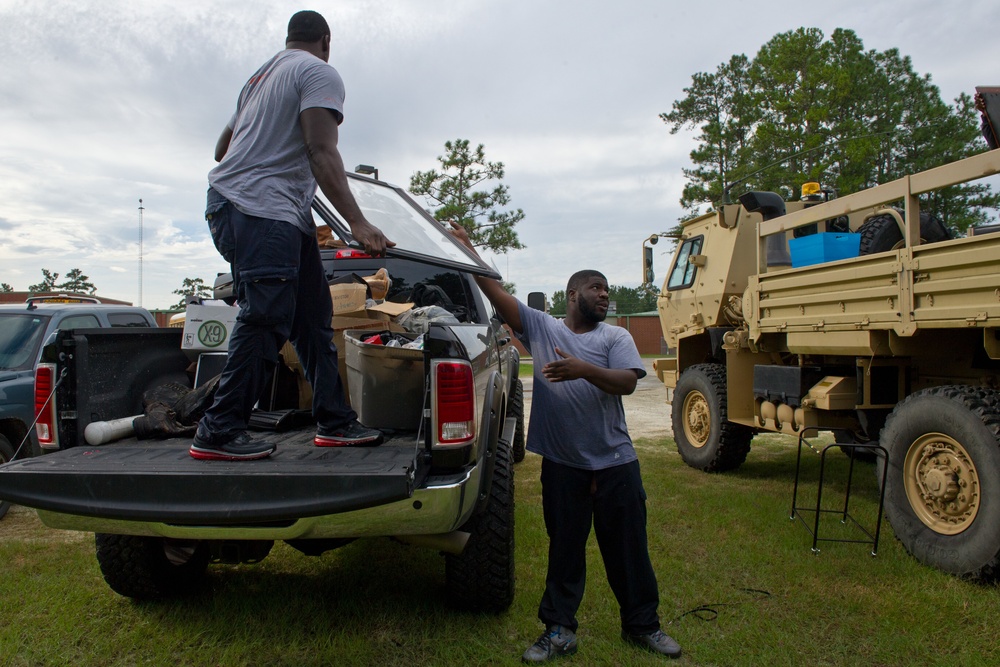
691, 270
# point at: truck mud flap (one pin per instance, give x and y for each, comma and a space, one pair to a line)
161, 482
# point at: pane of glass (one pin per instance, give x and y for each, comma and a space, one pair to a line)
682, 275
403, 223
20, 340
127, 320
680, 268
79, 322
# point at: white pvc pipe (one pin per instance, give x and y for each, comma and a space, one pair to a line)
98, 433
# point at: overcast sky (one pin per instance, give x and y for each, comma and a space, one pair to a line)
104, 102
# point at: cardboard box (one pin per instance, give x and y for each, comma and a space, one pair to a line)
348, 297
208, 328
823, 247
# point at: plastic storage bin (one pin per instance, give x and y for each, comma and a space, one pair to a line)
823, 247
386, 384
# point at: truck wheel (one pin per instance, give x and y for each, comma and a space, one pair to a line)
517, 412
942, 493
6, 454
881, 233
481, 578
705, 437
146, 568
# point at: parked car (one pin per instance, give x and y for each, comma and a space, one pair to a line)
23, 330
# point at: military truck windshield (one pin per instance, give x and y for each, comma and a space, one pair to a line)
20, 340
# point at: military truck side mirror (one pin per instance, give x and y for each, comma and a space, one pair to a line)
536, 301
647, 265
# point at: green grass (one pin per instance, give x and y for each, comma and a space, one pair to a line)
723, 543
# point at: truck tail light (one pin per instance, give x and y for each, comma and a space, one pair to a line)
455, 402
351, 253
45, 406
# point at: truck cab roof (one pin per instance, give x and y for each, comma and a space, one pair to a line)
24, 327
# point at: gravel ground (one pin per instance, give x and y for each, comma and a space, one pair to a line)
646, 410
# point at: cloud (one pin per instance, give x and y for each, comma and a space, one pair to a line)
112, 101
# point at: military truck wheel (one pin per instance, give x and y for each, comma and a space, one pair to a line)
6, 454
705, 437
881, 233
481, 578
147, 568
942, 493
516, 410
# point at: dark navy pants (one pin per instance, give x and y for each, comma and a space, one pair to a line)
283, 295
613, 500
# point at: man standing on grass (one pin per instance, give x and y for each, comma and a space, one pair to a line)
281, 143
590, 471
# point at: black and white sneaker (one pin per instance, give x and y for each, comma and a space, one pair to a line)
556, 641
350, 434
240, 448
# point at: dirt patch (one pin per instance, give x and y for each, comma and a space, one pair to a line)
646, 409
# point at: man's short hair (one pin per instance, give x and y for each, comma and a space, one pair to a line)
307, 26
579, 278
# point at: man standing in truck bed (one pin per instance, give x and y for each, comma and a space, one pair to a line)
279, 144
590, 471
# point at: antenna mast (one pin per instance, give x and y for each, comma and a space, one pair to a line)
141, 209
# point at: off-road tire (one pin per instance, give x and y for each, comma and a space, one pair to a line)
6, 454
481, 578
148, 568
516, 410
705, 437
942, 492
881, 233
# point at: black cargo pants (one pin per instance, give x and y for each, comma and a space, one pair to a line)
613, 500
283, 295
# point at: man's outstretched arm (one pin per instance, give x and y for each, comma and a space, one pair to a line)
505, 304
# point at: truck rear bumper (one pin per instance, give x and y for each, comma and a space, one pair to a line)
440, 506
299, 492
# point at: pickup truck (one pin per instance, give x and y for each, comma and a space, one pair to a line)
443, 480
23, 329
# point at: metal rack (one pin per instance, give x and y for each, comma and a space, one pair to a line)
817, 512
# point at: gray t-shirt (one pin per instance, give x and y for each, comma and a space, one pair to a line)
575, 423
266, 172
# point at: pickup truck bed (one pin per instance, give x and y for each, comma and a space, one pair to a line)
159, 481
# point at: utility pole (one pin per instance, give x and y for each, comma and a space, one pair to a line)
141, 209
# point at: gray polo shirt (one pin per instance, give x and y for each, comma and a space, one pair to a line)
265, 172
574, 422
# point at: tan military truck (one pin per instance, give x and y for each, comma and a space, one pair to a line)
875, 325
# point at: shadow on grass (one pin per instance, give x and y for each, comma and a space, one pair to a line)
370, 598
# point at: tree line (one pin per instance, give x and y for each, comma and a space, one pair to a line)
627, 300
75, 281
808, 108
